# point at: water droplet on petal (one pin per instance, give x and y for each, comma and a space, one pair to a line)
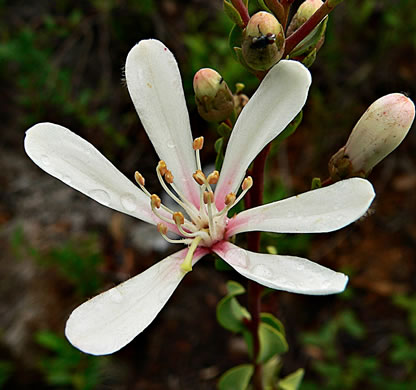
128, 201
66, 179
45, 159
100, 196
238, 257
262, 271
281, 280
326, 283
300, 267
170, 144
115, 295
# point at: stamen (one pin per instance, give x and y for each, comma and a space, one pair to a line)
185, 206
247, 183
169, 177
155, 201
199, 177
213, 177
229, 202
198, 145
186, 266
178, 218
162, 229
161, 167
139, 179
208, 197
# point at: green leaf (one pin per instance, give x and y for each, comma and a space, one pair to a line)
234, 39
270, 319
263, 5
237, 378
292, 381
218, 144
316, 183
309, 42
290, 128
232, 13
234, 288
221, 265
224, 130
230, 314
272, 342
310, 58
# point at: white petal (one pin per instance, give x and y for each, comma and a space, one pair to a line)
155, 86
279, 98
109, 321
71, 159
318, 211
287, 273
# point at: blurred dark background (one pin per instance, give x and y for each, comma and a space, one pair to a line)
62, 61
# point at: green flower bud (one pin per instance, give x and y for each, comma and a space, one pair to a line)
213, 98
263, 41
379, 131
304, 12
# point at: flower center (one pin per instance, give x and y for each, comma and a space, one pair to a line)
203, 225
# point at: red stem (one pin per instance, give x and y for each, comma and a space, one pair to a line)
304, 30
253, 243
242, 10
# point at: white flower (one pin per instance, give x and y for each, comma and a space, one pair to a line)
112, 319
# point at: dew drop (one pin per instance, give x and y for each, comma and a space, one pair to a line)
326, 283
262, 271
170, 144
128, 201
281, 280
100, 196
300, 267
115, 295
45, 159
66, 179
238, 257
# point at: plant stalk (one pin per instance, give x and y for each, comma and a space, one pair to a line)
303, 31
254, 289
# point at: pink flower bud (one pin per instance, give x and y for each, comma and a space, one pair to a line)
263, 41
214, 99
379, 131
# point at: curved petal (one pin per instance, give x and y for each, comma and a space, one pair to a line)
287, 273
71, 159
323, 210
279, 98
155, 86
109, 321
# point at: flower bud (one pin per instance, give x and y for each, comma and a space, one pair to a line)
314, 41
304, 12
378, 132
213, 98
263, 41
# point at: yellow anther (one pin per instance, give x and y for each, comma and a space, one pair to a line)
198, 143
169, 176
208, 197
247, 183
199, 177
139, 178
155, 201
162, 228
230, 199
161, 167
178, 218
213, 177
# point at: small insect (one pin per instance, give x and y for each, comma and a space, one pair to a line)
263, 40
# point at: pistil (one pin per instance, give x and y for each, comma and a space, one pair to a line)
186, 265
